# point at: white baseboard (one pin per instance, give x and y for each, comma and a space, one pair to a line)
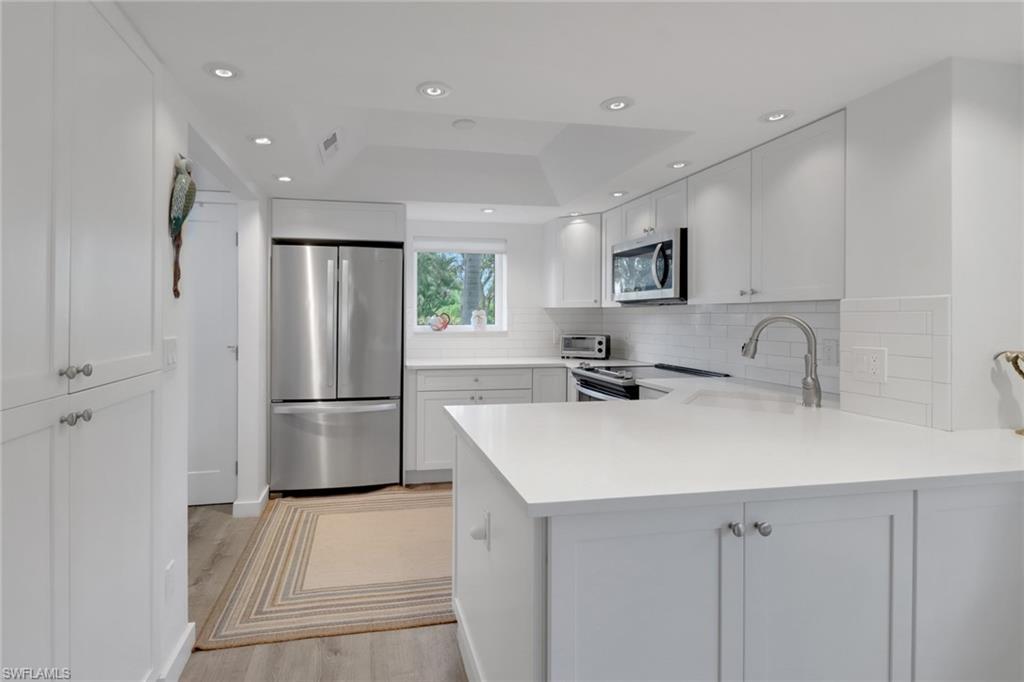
251, 507
179, 657
469, 660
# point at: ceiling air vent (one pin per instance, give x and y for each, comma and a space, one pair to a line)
329, 146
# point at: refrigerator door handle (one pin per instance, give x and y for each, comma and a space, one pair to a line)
332, 328
331, 408
345, 320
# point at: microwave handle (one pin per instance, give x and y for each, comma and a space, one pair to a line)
659, 281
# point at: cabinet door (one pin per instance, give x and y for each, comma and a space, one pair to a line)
968, 616
581, 262
669, 206
646, 595
112, 557
34, 471
798, 227
612, 233
829, 590
549, 385
719, 221
435, 433
107, 184
35, 245
638, 217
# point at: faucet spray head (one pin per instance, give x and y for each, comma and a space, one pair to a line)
749, 349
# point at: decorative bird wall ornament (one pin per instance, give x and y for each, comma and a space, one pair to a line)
1015, 358
183, 196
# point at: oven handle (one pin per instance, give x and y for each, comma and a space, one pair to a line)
658, 281
597, 394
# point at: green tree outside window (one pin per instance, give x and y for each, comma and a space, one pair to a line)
456, 284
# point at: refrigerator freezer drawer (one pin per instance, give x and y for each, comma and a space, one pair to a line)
334, 444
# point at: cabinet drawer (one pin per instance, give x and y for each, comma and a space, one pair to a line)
474, 379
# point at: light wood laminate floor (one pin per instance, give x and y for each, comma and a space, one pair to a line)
215, 541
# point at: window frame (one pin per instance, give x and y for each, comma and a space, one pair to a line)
497, 247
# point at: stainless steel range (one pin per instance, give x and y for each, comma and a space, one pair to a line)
620, 382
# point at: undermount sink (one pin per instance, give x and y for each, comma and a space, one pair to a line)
744, 400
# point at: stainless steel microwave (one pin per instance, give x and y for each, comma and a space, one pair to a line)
651, 269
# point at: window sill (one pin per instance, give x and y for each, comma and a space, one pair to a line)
460, 331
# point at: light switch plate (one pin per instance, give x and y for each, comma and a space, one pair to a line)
170, 352
870, 364
829, 352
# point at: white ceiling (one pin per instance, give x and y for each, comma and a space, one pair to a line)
532, 76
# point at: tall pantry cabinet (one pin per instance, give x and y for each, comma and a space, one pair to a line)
82, 346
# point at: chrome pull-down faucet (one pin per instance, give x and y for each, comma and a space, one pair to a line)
810, 385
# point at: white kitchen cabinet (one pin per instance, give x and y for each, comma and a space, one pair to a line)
573, 262
334, 220
798, 220
646, 596
968, 617
637, 217
549, 384
719, 213
35, 245
105, 97
669, 206
571, 396
612, 233
435, 433
78, 561
829, 591
34, 463
80, 253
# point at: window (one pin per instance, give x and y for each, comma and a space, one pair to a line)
457, 277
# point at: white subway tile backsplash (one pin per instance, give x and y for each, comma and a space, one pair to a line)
915, 333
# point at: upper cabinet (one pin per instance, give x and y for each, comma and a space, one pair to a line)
612, 232
798, 228
669, 206
572, 248
719, 235
637, 217
80, 270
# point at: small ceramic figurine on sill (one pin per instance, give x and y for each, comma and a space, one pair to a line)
479, 320
1015, 358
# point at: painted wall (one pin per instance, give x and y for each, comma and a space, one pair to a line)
898, 186
934, 208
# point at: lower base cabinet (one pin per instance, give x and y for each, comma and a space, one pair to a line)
78, 510
817, 588
435, 433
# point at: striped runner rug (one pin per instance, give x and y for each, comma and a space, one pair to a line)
324, 566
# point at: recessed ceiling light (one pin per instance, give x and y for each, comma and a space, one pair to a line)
434, 89
617, 103
619, 193
463, 124
222, 70
574, 214
487, 210
677, 164
261, 140
773, 116
284, 178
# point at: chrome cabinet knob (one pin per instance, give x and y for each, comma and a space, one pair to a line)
69, 372
737, 529
753, 291
85, 415
764, 529
86, 369
70, 419
743, 292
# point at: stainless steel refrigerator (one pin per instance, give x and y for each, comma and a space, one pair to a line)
336, 366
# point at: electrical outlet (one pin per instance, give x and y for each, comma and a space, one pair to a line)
870, 364
829, 352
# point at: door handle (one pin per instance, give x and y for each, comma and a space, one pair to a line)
332, 327
320, 408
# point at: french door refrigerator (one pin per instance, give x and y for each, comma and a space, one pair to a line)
336, 365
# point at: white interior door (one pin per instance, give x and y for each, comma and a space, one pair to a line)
209, 278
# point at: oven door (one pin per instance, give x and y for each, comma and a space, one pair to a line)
651, 268
587, 392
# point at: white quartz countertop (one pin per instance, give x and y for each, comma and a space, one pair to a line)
610, 456
489, 363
